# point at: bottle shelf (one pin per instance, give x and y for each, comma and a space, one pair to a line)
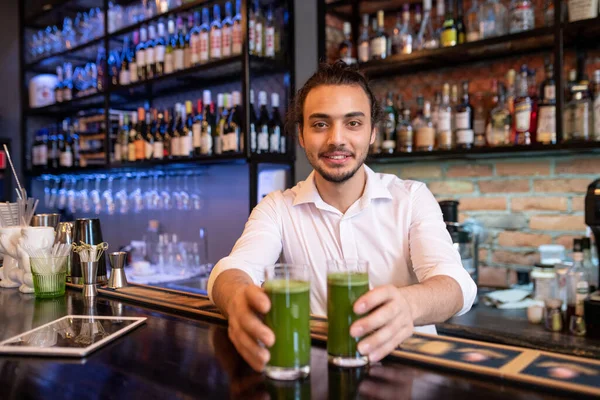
81, 53
94, 100
535, 150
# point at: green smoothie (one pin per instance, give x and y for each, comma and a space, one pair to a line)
289, 319
343, 289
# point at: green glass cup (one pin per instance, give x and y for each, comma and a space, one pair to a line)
347, 280
49, 276
288, 288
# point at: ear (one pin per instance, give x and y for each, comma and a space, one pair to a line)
300, 136
373, 135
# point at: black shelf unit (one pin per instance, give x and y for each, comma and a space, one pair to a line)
241, 68
558, 38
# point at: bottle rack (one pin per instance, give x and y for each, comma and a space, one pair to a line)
558, 38
235, 69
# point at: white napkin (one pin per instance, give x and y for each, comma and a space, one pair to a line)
510, 298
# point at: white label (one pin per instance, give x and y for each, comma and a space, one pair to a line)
363, 52
462, 120
207, 144
236, 46
185, 145
159, 53
252, 138
148, 148
444, 122
197, 135
425, 137
523, 117
546, 132
215, 44
378, 47
283, 148
521, 19
465, 136
150, 56
479, 126
195, 48
275, 140
270, 39
133, 77
263, 139
230, 141
159, 149
169, 63
597, 117
175, 146
581, 121
66, 159
42, 154
124, 77
179, 60
549, 92
140, 58
252, 37
204, 47
226, 44
258, 36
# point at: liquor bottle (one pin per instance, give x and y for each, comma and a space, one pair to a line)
426, 37
140, 143
510, 100
364, 52
207, 124
170, 47
389, 124
500, 125
479, 121
251, 29
58, 90
68, 83
186, 140
406, 34
263, 124
124, 138
521, 16
472, 26
165, 131
275, 127
588, 264
42, 149
523, 106
101, 70
444, 128
204, 37
149, 136
532, 92
117, 147
176, 130
150, 54
133, 66
124, 68
259, 38
187, 48
418, 120
580, 106
492, 19
464, 121
440, 12
418, 18
131, 154
197, 130
425, 134
396, 32
577, 283
253, 125
194, 34
160, 46
179, 49
158, 151
140, 54
66, 152
226, 32
221, 120
236, 45
461, 31
379, 41
596, 134
345, 48
405, 140
546, 128
232, 139
449, 34
435, 112
215, 34
270, 34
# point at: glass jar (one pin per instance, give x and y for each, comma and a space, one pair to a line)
544, 282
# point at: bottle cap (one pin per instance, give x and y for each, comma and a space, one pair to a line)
274, 100
262, 98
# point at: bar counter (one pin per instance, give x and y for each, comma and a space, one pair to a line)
177, 356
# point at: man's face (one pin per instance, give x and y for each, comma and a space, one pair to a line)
337, 130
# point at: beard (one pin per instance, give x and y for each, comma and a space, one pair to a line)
337, 174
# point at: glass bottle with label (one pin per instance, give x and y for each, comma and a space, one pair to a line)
150, 53
102, 80
379, 41
499, 127
464, 120
197, 130
149, 135
236, 30
405, 140
270, 34
124, 138
207, 125
140, 145
227, 32
596, 133
276, 127
216, 39
219, 124
523, 108
58, 90
165, 132
577, 283
419, 118
263, 124
472, 26
204, 38
444, 128
546, 128
259, 34
174, 130
425, 134
461, 32
449, 33
253, 125
132, 136
396, 38
391, 118
232, 140
406, 34
492, 19
521, 16
159, 50
140, 55
426, 37
194, 35
364, 52
179, 50
187, 140
580, 107
158, 151
479, 121
345, 49
170, 47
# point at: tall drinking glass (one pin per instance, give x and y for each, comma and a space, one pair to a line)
288, 288
347, 280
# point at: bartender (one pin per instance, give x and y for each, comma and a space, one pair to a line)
344, 210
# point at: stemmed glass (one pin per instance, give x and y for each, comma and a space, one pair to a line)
84, 196
136, 200
184, 195
151, 196
72, 196
165, 194
122, 204
108, 203
176, 193
95, 196
62, 195
196, 196
54, 193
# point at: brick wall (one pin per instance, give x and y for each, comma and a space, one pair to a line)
523, 203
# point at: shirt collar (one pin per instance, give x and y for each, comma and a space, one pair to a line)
306, 192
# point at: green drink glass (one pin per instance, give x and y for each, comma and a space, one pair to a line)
288, 288
347, 280
49, 276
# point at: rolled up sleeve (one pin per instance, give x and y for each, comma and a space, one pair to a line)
431, 250
260, 244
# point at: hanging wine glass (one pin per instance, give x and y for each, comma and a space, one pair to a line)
72, 196
136, 200
165, 194
196, 201
95, 196
121, 196
108, 203
62, 195
84, 196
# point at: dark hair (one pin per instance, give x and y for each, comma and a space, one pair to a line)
337, 73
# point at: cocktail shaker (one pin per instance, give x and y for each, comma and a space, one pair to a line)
87, 230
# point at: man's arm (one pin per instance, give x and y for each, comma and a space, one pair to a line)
433, 301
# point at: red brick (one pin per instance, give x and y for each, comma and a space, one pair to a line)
505, 186
483, 256
421, 171
561, 185
482, 203
566, 240
509, 257
451, 187
578, 166
496, 277
520, 239
469, 170
578, 203
523, 168
557, 223
538, 204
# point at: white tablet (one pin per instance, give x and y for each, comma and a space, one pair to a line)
70, 336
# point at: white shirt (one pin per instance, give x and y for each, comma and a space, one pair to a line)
396, 225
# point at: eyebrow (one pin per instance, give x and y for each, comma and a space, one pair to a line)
326, 116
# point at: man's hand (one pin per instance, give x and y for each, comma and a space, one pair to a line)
246, 329
389, 323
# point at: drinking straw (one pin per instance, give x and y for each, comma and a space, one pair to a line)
12, 167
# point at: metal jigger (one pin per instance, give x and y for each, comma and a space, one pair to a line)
89, 270
117, 278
